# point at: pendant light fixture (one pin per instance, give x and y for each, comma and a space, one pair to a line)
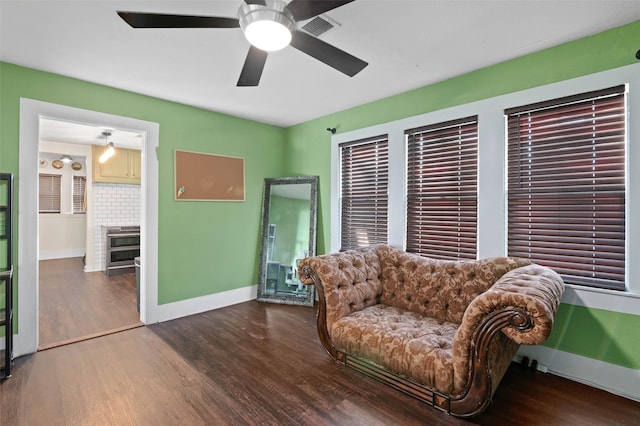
109, 151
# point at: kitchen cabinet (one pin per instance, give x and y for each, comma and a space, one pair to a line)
124, 167
6, 273
135, 161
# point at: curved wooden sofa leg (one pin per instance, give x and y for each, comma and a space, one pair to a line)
478, 392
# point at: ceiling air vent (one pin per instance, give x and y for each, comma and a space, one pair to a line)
318, 26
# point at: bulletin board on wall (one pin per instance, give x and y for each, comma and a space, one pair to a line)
208, 177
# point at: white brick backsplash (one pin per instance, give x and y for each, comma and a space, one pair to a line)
114, 204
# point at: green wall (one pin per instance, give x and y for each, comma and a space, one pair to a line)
595, 333
203, 247
308, 153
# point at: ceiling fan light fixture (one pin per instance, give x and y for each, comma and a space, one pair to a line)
66, 158
269, 27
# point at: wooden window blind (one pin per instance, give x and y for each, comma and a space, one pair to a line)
364, 176
79, 194
49, 193
442, 175
566, 186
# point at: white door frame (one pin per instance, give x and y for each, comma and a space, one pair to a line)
26, 340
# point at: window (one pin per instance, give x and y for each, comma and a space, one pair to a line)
442, 175
79, 194
364, 173
49, 193
566, 183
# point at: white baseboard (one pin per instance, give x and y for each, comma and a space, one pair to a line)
197, 305
61, 254
612, 378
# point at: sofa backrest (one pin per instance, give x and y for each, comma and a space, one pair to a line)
441, 289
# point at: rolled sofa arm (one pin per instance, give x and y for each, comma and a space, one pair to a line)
533, 291
521, 305
345, 282
349, 281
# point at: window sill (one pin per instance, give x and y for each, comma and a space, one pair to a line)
598, 298
69, 215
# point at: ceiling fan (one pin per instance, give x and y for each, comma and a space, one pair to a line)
269, 25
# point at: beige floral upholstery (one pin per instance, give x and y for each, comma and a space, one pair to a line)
440, 289
350, 280
418, 317
402, 341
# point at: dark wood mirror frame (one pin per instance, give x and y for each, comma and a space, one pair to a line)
277, 278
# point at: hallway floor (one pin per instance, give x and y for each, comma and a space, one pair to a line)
75, 305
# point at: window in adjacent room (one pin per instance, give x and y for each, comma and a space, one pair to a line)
79, 194
566, 186
364, 174
442, 188
49, 193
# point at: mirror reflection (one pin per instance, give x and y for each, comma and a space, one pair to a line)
288, 235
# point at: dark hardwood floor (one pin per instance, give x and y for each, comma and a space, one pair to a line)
75, 305
257, 363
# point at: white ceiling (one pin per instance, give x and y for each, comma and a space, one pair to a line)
53, 130
408, 44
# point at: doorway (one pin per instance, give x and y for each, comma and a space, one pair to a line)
31, 111
79, 296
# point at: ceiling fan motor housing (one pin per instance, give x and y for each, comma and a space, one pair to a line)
267, 27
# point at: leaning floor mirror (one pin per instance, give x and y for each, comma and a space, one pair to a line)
289, 221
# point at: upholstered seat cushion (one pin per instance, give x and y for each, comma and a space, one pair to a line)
407, 343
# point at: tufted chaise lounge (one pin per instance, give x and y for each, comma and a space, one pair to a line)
442, 331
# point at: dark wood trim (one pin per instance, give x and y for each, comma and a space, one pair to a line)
321, 322
479, 390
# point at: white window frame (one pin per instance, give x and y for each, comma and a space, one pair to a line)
492, 214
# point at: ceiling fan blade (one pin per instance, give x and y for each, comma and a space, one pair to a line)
160, 20
260, 2
253, 66
305, 9
330, 55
